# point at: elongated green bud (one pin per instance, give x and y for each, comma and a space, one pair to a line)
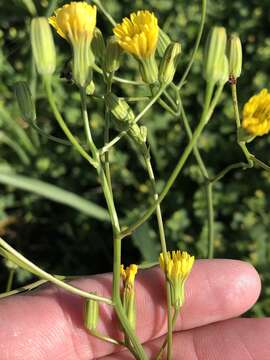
98, 44
235, 56
163, 42
138, 133
169, 63
43, 46
120, 109
25, 101
214, 54
224, 71
113, 55
91, 314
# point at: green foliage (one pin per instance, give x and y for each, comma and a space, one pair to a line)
46, 231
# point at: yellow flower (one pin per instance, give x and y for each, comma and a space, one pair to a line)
129, 274
256, 114
179, 265
128, 296
138, 34
75, 21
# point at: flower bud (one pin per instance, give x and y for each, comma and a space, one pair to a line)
138, 133
43, 46
163, 42
98, 44
235, 56
224, 71
128, 296
113, 55
25, 102
121, 111
169, 63
91, 314
214, 54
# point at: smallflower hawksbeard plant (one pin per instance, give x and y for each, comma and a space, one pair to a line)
95, 61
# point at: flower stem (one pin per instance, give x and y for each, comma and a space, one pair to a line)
10, 280
207, 112
138, 117
64, 127
196, 45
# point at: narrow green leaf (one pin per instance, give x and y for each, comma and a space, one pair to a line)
55, 193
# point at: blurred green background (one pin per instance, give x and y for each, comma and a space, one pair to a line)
63, 240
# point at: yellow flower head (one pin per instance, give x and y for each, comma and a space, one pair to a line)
138, 34
75, 21
129, 274
179, 265
256, 114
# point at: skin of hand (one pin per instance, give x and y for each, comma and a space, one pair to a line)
47, 324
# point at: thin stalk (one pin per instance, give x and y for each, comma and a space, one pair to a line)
138, 349
210, 220
105, 338
196, 45
44, 275
260, 163
209, 187
107, 132
87, 128
164, 250
242, 144
63, 125
138, 117
227, 169
10, 279
104, 12
51, 8
119, 79
160, 353
207, 112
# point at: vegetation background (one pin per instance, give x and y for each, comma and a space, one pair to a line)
63, 240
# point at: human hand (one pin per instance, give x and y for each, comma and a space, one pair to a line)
47, 324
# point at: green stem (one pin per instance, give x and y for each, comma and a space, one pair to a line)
116, 268
138, 117
10, 279
260, 163
104, 11
105, 338
210, 220
227, 170
207, 112
119, 79
107, 132
196, 46
209, 186
160, 353
242, 144
62, 124
163, 247
51, 8
87, 129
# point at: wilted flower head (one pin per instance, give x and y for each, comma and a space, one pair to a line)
75, 21
177, 268
128, 296
138, 34
256, 114
129, 274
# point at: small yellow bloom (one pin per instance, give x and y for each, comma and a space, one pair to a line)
179, 265
129, 274
75, 21
138, 34
128, 296
256, 114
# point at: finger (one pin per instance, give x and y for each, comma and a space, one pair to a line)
49, 323
237, 339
